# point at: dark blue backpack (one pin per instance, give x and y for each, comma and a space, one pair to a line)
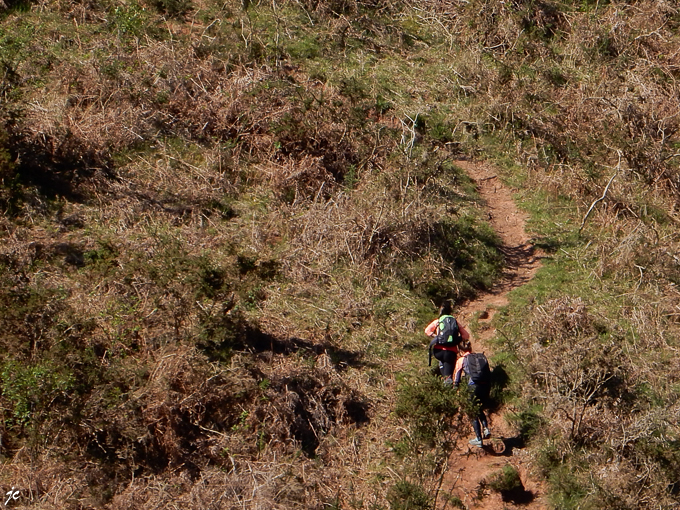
478, 368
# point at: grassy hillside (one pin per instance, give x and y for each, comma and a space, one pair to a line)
225, 225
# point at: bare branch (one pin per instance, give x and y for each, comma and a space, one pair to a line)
604, 194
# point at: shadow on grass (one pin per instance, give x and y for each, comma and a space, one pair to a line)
61, 169
260, 343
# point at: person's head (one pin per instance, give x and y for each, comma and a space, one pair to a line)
446, 308
465, 346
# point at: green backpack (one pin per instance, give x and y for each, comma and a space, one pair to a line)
448, 332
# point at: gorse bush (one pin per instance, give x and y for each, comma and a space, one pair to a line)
508, 483
430, 408
33, 390
405, 495
506, 480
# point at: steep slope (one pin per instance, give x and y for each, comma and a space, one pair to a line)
225, 222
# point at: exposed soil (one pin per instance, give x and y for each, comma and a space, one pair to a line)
471, 467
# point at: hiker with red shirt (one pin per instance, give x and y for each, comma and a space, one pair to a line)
445, 354
479, 389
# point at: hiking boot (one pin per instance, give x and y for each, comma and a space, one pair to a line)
487, 433
448, 381
476, 442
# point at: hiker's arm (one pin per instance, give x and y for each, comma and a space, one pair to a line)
458, 371
464, 334
431, 328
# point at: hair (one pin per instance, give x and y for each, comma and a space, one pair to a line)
446, 308
465, 346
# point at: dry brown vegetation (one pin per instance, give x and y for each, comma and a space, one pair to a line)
225, 225
599, 396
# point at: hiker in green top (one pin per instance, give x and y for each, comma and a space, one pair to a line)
446, 334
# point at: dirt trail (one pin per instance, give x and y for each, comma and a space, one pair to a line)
470, 466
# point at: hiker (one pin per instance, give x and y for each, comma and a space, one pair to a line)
446, 334
476, 367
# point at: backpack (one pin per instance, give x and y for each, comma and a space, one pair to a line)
478, 368
448, 332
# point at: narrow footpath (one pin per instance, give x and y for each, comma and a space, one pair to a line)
469, 468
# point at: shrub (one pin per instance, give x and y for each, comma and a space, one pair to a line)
130, 20
429, 407
408, 496
33, 389
507, 479
29, 314
529, 421
566, 490
509, 484
575, 369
